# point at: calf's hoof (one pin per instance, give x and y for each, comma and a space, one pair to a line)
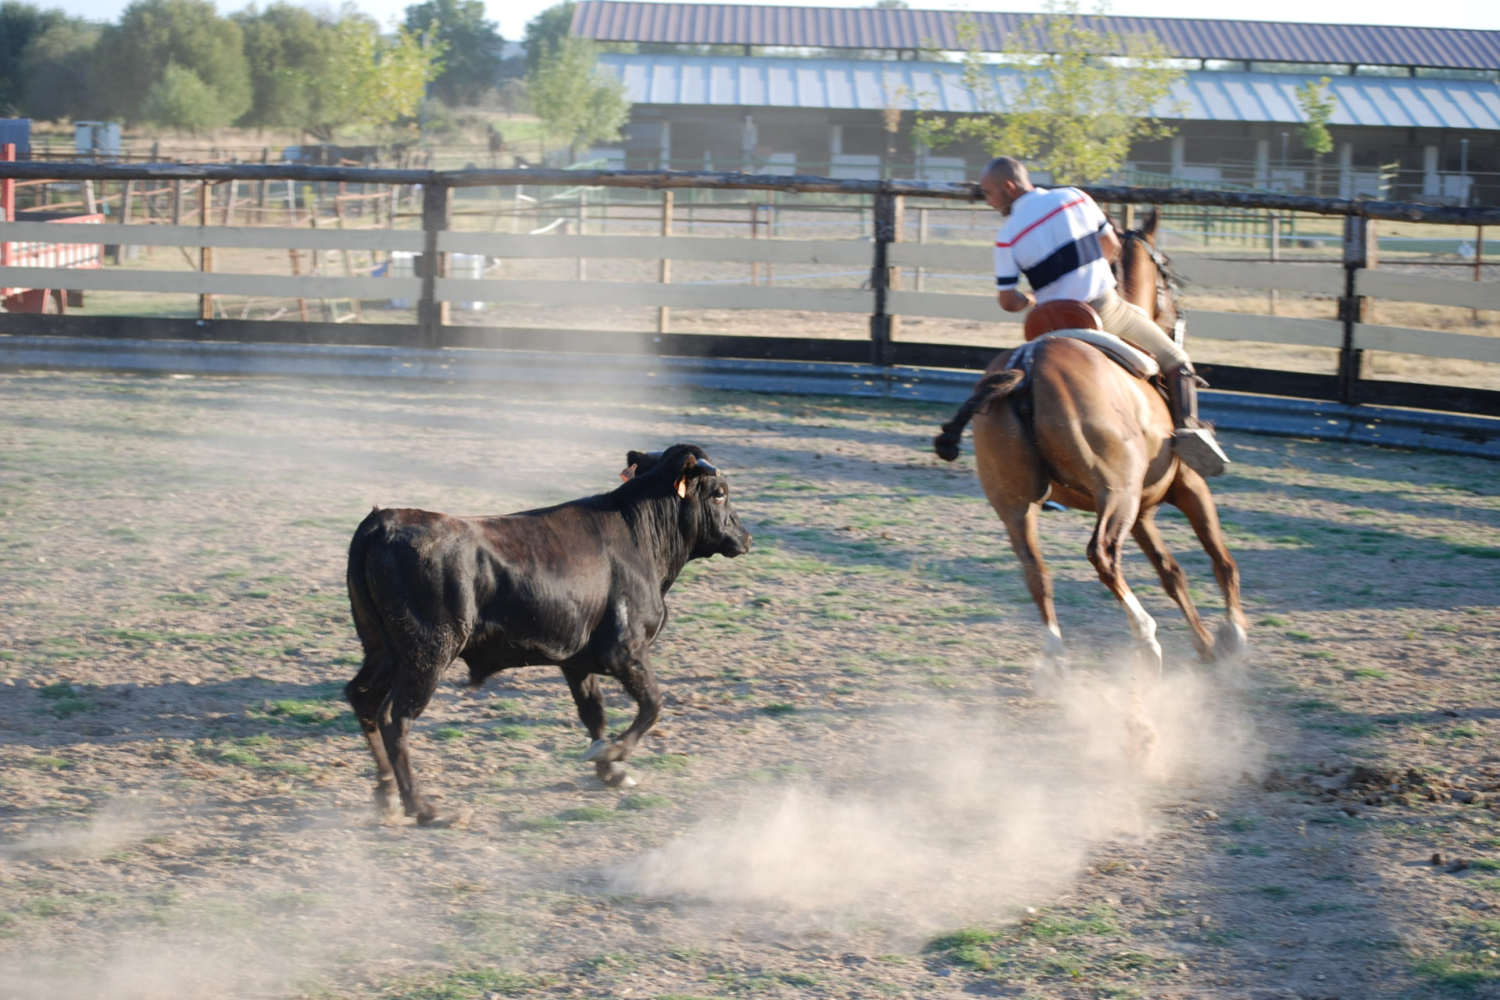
603, 751
614, 774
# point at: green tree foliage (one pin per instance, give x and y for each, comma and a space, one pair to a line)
575, 102
286, 47
58, 73
1317, 106
20, 25
181, 100
545, 33
1081, 96
365, 79
152, 35
471, 47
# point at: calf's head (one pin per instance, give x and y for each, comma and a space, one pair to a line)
706, 517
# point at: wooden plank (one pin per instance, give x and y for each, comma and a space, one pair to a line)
1260, 275
236, 237
204, 283
951, 306
855, 253
974, 258
182, 328
695, 345
1448, 398
1383, 284
1428, 343
1207, 325
619, 293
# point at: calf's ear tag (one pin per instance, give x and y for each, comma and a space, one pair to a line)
682, 488
627, 473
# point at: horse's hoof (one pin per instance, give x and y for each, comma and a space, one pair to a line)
1230, 641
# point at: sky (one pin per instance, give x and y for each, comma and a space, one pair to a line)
511, 15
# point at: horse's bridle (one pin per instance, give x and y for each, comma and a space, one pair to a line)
1167, 285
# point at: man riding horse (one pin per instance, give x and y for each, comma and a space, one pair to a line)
1064, 244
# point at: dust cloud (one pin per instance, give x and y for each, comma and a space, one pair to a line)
960, 817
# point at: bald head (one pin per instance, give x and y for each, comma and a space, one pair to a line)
1008, 168
1003, 181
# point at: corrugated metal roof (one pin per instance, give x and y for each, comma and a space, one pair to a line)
866, 84
894, 28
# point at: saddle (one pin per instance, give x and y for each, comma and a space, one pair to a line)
1078, 321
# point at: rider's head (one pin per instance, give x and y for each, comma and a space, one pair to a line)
1003, 181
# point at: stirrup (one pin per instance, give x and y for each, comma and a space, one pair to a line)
1196, 446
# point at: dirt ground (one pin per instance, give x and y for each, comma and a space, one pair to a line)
858, 787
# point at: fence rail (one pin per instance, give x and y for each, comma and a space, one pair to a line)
881, 257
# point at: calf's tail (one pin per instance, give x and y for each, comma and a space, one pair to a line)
993, 386
366, 617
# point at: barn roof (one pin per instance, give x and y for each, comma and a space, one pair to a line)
896, 28
727, 81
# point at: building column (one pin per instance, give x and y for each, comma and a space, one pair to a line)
1263, 163
1179, 154
666, 145
1431, 184
1346, 170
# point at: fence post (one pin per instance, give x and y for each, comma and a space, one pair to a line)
880, 275
205, 254
1478, 263
432, 315
1359, 252
921, 238
1273, 232
664, 313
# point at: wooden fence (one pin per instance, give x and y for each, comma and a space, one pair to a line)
1347, 279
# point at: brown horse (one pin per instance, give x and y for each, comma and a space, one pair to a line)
1097, 438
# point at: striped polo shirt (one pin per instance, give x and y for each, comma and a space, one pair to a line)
1052, 237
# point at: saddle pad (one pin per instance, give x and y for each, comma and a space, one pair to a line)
1135, 361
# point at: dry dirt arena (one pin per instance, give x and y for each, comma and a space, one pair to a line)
858, 787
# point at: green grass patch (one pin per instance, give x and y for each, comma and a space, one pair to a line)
664, 762
448, 733
585, 814
778, 708
470, 984
975, 947
642, 802
64, 700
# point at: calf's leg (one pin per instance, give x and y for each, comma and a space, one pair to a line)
366, 693
412, 690
640, 683
589, 699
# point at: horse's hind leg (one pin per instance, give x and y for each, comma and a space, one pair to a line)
1021, 525
1011, 473
1190, 494
1118, 510
1173, 579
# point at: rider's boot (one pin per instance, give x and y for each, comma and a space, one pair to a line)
1192, 440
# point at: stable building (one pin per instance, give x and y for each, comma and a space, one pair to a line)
834, 91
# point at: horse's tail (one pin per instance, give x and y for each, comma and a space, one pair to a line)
994, 386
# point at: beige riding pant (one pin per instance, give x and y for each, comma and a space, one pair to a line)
1130, 323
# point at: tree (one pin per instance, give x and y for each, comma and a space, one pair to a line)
133, 56
181, 100
58, 73
1080, 95
471, 47
1317, 106
286, 47
20, 25
545, 33
365, 79
574, 102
